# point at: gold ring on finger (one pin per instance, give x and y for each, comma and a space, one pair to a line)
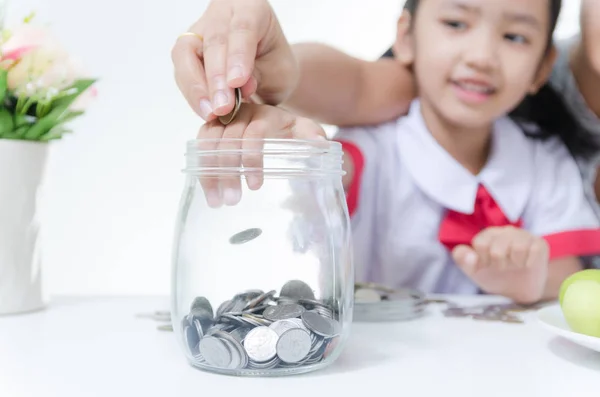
197, 35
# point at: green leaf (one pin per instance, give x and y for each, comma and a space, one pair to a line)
6, 122
3, 84
55, 133
29, 17
19, 132
70, 115
44, 124
80, 86
22, 120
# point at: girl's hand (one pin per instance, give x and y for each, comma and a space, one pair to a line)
253, 123
506, 261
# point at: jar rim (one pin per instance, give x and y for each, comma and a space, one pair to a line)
282, 156
319, 143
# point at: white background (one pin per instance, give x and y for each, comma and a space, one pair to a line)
114, 186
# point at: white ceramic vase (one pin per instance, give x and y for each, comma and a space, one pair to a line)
22, 166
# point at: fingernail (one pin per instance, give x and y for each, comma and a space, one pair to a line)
205, 109
232, 196
220, 99
213, 198
253, 182
235, 72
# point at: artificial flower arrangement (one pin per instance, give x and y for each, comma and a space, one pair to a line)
42, 87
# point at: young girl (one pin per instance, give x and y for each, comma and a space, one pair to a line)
454, 180
454, 197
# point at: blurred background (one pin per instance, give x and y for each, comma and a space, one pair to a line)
113, 187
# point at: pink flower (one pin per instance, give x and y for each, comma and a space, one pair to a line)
39, 65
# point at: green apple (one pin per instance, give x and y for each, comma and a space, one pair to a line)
581, 306
589, 274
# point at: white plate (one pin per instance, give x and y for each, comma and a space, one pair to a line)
551, 318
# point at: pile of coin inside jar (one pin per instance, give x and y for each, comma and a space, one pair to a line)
260, 330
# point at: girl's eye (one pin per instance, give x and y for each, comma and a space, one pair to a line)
455, 24
516, 38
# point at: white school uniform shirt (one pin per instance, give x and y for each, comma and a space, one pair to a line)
404, 182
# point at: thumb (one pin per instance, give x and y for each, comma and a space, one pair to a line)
465, 258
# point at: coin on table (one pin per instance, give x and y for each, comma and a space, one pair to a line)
367, 295
228, 118
245, 236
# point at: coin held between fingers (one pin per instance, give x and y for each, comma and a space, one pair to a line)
228, 118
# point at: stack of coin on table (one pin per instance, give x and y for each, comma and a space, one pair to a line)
260, 330
377, 303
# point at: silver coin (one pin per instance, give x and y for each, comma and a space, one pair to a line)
283, 300
249, 295
259, 320
228, 118
199, 329
202, 316
367, 295
298, 322
201, 303
240, 334
239, 356
455, 312
323, 311
261, 344
283, 325
245, 236
320, 325
293, 345
225, 307
403, 295
215, 352
297, 289
259, 300
282, 312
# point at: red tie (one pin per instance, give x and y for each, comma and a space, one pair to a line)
458, 228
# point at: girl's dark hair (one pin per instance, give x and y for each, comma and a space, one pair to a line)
546, 109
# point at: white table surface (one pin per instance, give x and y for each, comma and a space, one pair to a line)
88, 347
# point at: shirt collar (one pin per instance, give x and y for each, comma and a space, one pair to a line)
508, 174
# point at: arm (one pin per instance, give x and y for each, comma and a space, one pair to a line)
338, 89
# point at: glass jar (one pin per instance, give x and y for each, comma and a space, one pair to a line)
262, 264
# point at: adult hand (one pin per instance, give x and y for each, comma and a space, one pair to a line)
234, 44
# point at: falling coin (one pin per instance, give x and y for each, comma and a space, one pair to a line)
228, 118
245, 236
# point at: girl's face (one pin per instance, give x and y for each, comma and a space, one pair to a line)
475, 60
590, 31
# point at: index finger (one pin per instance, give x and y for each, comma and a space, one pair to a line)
249, 25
